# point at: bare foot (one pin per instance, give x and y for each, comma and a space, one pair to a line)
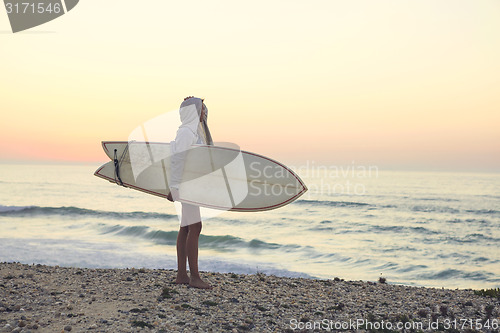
182, 279
199, 283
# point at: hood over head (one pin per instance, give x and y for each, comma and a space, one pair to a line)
190, 112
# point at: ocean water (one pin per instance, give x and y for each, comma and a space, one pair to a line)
356, 223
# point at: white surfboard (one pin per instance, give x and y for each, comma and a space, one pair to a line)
217, 177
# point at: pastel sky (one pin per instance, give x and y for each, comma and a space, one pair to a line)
400, 84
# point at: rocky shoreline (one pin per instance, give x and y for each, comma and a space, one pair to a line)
38, 298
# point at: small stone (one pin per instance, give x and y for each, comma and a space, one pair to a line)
68, 328
21, 323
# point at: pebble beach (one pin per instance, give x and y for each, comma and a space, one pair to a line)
38, 298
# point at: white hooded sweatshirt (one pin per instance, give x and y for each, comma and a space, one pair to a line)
191, 131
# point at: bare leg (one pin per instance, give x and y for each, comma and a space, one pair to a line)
187, 247
192, 254
182, 276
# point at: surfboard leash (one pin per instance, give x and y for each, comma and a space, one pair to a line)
118, 163
117, 169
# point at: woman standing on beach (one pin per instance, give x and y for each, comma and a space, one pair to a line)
193, 130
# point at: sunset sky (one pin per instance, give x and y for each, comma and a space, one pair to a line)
398, 84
